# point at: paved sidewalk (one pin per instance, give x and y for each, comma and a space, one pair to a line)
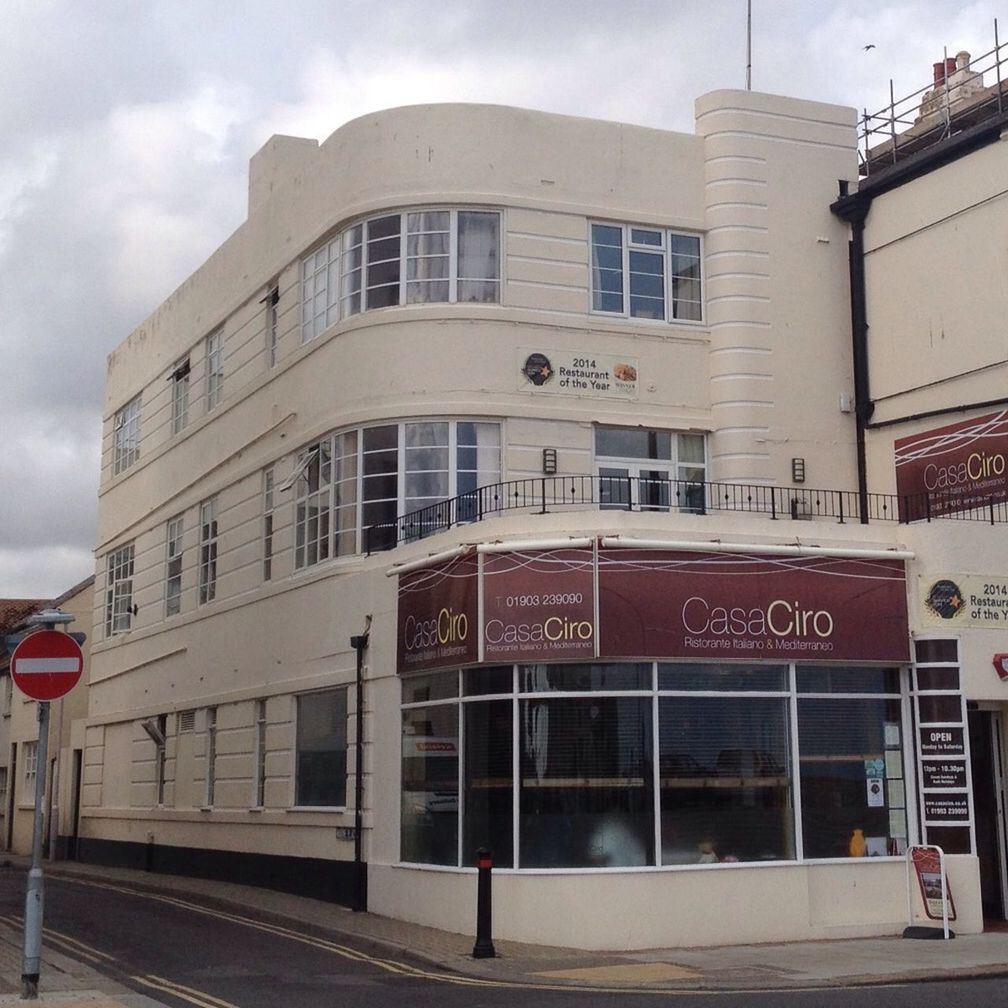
751, 967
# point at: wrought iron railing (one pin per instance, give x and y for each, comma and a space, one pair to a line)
545, 494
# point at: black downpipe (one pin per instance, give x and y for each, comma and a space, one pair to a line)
863, 406
359, 643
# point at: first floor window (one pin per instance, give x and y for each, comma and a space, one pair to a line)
660, 764
269, 503
259, 787
119, 590
29, 751
649, 273
173, 568
650, 470
208, 551
358, 482
321, 761
126, 436
211, 754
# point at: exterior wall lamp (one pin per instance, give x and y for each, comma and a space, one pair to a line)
797, 470
549, 461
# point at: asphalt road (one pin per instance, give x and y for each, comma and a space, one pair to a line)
186, 952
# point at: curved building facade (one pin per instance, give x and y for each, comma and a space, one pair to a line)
459, 501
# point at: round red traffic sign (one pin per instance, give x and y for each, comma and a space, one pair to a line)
46, 665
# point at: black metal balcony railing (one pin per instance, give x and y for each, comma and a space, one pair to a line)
544, 494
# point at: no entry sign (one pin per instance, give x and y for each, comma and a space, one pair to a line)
46, 665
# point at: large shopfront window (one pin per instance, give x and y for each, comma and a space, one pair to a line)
652, 764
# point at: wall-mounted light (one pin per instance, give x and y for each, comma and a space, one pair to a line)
797, 470
549, 461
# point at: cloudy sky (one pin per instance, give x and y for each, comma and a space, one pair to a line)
127, 125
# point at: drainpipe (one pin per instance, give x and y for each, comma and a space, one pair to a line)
359, 643
855, 214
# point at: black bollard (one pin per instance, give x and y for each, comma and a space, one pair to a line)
483, 949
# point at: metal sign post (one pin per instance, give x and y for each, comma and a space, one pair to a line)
35, 893
45, 665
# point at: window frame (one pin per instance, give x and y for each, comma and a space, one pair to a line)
119, 572
208, 546
628, 247
126, 436
272, 325
214, 368
314, 459
180, 395
674, 481
174, 554
336, 276
452, 688
296, 781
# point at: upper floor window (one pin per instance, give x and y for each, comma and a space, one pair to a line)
119, 590
272, 301
180, 396
173, 571
646, 273
269, 502
208, 551
214, 369
366, 477
652, 470
414, 257
126, 436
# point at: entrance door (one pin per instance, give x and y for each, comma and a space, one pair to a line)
987, 768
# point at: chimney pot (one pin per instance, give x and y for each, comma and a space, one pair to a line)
950, 66
939, 73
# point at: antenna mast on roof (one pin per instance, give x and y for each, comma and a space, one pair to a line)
748, 42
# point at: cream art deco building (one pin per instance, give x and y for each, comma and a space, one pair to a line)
462, 499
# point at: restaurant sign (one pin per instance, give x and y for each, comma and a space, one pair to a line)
543, 605
953, 468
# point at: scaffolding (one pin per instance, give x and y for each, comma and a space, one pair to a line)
953, 101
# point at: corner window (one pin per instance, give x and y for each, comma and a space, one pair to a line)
321, 761
208, 551
173, 566
126, 436
351, 486
650, 470
214, 369
180, 396
416, 257
119, 590
648, 273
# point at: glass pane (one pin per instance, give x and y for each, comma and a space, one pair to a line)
834, 679
586, 795
725, 784
640, 236
488, 679
849, 749
479, 291
691, 448
321, 748
487, 818
940, 709
614, 488
936, 650
632, 442
581, 678
426, 433
724, 678
433, 686
478, 245
430, 789
938, 679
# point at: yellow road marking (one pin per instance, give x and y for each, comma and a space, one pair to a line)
189, 994
644, 972
394, 966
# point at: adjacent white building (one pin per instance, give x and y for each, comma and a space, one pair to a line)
518, 414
